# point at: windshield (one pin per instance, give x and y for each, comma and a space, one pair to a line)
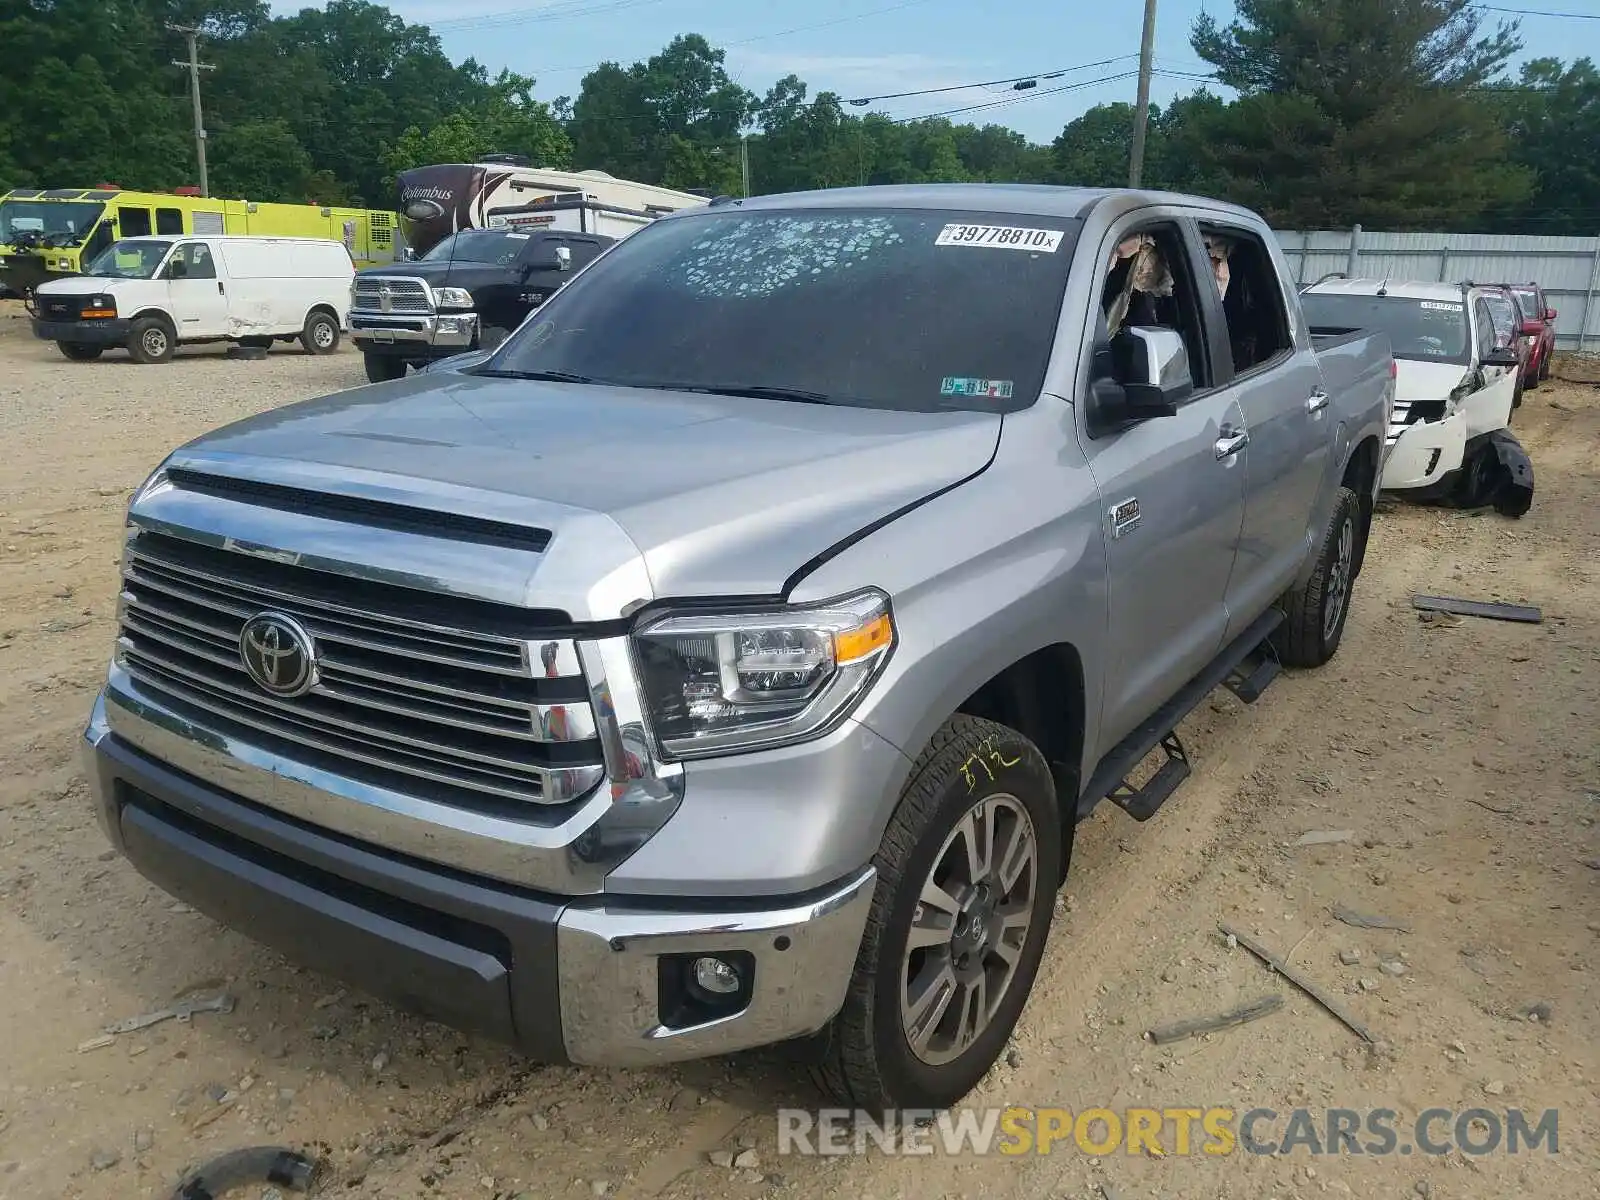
882, 308
132, 259
496, 247
1528, 302
1431, 330
58, 222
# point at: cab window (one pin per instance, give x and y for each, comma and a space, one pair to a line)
133, 222
192, 260
1150, 282
1252, 297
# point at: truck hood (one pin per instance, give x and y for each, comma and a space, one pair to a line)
717, 496
1417, 380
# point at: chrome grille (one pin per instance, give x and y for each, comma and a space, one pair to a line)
404, 295
467, 716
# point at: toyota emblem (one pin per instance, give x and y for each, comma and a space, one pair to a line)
278, 654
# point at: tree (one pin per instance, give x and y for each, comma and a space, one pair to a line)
1093, 149
1553, 113
506, 119
1369, 110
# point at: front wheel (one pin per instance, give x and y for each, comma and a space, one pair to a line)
80, 351
150, 340
967, 875
321, 334
1315, 611
381, 368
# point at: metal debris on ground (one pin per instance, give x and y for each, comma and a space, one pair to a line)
274, 1165
183, 1010
1492, 610
1161, 1035
1300, 981
1361, 920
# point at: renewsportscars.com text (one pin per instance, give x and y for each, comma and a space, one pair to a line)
1180, 1132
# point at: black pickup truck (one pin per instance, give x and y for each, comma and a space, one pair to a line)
468, 292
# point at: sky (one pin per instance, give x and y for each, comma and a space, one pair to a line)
875, 48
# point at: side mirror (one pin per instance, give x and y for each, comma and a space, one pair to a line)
1502, 356
1549, 314
1142, 373
563, 258
177, 269
1532, 328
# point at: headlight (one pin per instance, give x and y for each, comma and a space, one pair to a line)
453, 297
716, 683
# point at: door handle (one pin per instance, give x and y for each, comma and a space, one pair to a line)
1231, 442
1317, 401
220, 290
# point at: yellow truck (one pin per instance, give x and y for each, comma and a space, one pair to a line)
46, 233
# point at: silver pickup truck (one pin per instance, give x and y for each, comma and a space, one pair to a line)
728, 658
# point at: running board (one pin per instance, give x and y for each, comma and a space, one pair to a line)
1254, 675
1110, 778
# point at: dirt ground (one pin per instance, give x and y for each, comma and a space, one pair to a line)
1463, 756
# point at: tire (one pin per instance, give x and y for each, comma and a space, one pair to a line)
865, 1057
1544, 364
151, 340
381, 368
1516, 396
80, 351
256, 343
321, 334
490, 337
1315, 612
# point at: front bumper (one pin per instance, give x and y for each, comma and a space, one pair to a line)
1422, 454
587, 981
414, 337
111, 331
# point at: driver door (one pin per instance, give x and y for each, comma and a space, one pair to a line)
1172, 492
1488, 406
196, 297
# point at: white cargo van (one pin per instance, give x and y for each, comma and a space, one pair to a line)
151, 294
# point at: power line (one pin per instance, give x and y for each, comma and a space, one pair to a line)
860, 101
1020, 99
1535, 12
560, 11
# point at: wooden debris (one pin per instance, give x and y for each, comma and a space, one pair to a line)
1492, 610
1360, 920
1161, 1035
1301, 982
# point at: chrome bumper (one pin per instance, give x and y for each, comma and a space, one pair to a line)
576, 981
457, 331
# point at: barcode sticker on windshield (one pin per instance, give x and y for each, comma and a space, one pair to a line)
1000, 237
1440, 306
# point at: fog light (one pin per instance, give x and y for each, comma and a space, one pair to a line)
715, 977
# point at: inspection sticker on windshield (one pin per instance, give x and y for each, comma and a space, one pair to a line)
988, 389
1000, 237
1440, 306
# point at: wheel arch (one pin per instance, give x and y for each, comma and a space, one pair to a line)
1361, 477
1042, 697
159, 314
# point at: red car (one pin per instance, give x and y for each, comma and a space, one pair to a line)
1538, 331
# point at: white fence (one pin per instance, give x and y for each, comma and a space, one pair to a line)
1568, 268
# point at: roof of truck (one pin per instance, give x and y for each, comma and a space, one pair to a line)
1405, 289
1039, 199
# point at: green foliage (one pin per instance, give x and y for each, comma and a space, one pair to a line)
1393, 113
1366, 110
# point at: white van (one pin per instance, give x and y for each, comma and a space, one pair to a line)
1456, 372
151, 294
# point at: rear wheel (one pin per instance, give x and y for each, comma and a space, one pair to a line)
381, 368
80, 351
1315, 612
967, 875
321, 333
1544, 364
150, 340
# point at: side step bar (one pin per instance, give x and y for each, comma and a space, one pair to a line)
1244, 666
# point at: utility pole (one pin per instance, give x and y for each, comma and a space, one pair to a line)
744, 162
194, 67
1141, 112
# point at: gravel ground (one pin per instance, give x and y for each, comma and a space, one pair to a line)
1463, 756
